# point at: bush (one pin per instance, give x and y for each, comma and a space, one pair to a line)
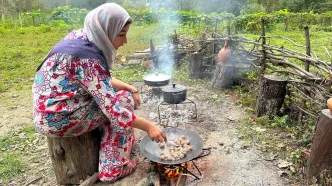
44, 28
4, 31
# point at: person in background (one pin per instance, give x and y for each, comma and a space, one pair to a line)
74, 91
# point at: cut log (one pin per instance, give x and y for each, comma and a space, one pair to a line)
196, 65
320, 159
271, 95
139, 56
74, 158
223, 76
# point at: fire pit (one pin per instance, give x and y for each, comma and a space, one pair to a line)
155, 81
172, 169
175, 94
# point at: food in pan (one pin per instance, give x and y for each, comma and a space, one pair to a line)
177, 151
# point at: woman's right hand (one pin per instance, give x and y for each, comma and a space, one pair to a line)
156, 134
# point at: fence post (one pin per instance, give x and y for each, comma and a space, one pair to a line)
213, 35
263, 61
229, 28
307, 43
306, 67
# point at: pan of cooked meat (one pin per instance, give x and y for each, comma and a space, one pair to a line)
181, 146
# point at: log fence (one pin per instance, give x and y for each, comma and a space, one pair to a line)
299, 68
307, 78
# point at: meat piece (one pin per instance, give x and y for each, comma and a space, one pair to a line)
162, 145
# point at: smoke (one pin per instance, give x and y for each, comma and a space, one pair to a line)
167, 24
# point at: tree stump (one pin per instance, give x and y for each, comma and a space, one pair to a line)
320, 158
271, 95
74, 158
196, 65
223, 76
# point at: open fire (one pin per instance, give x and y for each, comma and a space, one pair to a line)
174, 175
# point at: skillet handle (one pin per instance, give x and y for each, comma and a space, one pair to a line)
205, 152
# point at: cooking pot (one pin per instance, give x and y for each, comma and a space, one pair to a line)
174, 94
156, 79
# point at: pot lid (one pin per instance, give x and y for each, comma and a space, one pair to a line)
156, 77
174, 88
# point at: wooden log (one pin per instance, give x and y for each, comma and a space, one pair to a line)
223, 76
195, 65
271, 95
74, 158
320, 159
139, 56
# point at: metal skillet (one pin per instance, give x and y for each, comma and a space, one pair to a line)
151, 149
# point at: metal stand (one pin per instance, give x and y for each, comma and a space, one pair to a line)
184, 166
187, 101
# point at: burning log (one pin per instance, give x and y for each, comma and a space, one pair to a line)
271, 95
74, 158
320, 158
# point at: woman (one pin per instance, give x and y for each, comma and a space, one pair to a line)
73, 91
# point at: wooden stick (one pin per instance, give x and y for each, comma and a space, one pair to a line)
33, 181
92, 179
181, 180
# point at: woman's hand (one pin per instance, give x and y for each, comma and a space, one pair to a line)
137, 99
156, 134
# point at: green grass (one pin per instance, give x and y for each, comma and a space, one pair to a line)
20, 54
11, 165
14, 149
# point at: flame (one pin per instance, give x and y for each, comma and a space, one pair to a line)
172, 173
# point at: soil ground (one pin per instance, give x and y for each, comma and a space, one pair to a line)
230, 162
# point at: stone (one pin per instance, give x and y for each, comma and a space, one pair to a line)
135, 62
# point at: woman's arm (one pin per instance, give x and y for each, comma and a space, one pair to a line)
154, 132
122, 85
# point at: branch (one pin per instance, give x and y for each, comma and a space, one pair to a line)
285, 62
327, 52
92, 179
306, 97
306, 111
304, 59
289, 72
289, 40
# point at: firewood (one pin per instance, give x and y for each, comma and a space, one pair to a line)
92, 179
181, 180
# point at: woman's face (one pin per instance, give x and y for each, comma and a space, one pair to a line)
121, 38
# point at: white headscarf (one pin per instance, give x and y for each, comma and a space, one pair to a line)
102, 25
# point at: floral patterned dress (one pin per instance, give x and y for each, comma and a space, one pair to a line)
72, 96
